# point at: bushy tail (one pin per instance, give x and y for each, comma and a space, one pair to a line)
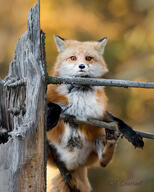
78, 183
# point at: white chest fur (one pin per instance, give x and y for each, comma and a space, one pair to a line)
76, 152
83, 103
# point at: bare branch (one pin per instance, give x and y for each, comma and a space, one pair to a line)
100, 82
110, 126
103, 82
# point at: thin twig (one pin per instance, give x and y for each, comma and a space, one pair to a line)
100, 82
110, 126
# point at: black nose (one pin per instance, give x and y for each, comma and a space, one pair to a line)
81, 66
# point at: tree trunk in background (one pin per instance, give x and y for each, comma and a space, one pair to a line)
22, 113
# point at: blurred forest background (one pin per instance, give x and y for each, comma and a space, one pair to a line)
129, 54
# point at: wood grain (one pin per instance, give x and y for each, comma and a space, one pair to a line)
22, 113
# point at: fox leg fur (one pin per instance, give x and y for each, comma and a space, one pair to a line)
110, 146
105, 150
78, 183
52, 153
112, 138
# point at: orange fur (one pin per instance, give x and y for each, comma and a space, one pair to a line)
101, 98
55, 134
54, 96
79, 180
91, 133
81, 49
108, 153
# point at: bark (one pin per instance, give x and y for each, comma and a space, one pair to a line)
22, 113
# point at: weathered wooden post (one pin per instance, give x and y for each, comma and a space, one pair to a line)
22, 113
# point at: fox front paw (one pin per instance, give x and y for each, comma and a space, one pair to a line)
128, 132
53, 114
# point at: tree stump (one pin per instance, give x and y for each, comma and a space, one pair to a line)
22, 113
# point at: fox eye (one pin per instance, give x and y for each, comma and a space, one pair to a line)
73, 58
88, 58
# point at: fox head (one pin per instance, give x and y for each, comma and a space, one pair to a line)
80, 59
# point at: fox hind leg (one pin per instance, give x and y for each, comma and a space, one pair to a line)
109, 148
108, 153
78, 183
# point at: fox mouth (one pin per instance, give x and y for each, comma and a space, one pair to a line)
83, 76
82, 71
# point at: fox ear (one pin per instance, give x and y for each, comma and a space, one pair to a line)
60, 43
101, 44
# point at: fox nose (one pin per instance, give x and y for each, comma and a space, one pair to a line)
81, 66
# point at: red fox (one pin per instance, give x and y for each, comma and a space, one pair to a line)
74, 145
